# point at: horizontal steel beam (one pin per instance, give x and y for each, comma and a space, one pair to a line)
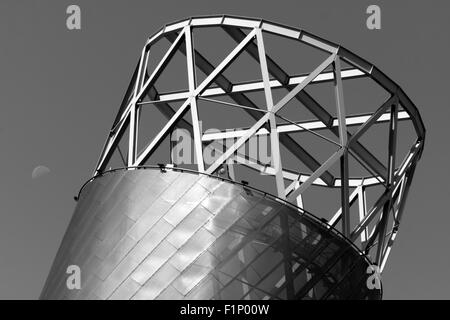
226, 87
302, 126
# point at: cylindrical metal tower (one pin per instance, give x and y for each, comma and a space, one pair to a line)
238, 177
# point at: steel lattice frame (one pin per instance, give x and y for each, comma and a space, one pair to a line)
396, 178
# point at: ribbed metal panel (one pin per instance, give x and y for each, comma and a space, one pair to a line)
147, 234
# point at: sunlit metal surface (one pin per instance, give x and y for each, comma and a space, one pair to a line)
148, 234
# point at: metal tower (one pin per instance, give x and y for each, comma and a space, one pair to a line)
309, 221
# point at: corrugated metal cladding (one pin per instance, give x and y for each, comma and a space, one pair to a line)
147, 234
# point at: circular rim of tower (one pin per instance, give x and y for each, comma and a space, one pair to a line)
304, 36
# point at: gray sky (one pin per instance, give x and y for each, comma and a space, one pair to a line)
61, 89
